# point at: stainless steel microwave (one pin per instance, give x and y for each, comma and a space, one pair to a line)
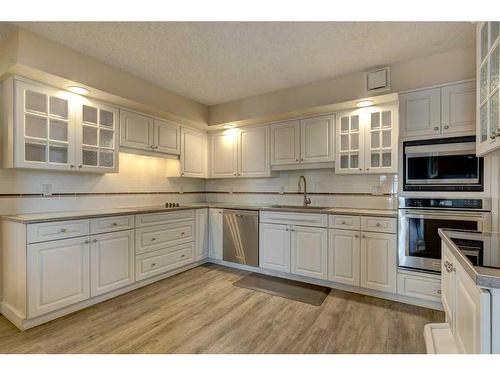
446, 164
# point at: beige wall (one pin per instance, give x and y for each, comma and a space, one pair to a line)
38, 57
431, 70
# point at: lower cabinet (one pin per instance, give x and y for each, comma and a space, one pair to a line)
215, 235
58, 274
201, 236
274, 247
379, 261
163, 260
344, 256
309, 251
111, 261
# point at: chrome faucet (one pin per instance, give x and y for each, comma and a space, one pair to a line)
306, 200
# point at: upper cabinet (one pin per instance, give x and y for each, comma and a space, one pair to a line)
240, 153
145, 133
47, 128
300, 143
367, 140
193, 159
444, 110
488, 81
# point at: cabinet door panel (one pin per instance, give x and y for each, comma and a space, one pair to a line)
201, 227
111, 261
285, 143
309, 249
379, 261
136, 131
350, 143
167, 137
458, 108
193, 153
224, 154
215, 233
254, 152
420, 113
447, 285
58, 275
344, 256
274, 247
317, 139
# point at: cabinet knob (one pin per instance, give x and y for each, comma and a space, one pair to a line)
286, 229
360, 169
363, 236
72, 166
436, 128
80, 166
87, 241
438, 291
378, 224
63, 230
343, 222
293, 230
296, 159
234, 174
183, 255
367, 169
356, 236
114, 224
182, 233
153, 239
153, 264
301, 159
94, 240
446, 127
182, 173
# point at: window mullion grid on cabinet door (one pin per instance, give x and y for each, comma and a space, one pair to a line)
32, 139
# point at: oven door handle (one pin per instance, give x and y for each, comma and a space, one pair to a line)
417, 214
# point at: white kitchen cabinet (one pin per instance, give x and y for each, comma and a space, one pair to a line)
309, 251
488, 84
224, 154
240, 153
344, 256
367, 140
274, 247
285, 143
447, 110
47, 128
420, 113
111, 261
58, 274
193, 159
304, 142
467, 307
141, 132
317, 139
379, 261
97, 144
136, 130
201, 236
215, 232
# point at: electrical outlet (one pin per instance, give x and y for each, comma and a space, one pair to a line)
282, 190
47, 190
181, 190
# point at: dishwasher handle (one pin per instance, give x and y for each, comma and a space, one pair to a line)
240, 213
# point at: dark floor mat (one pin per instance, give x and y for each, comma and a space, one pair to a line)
295, 290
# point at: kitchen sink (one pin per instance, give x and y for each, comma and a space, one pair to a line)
298, 207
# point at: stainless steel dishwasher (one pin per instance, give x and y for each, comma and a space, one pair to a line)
241, 237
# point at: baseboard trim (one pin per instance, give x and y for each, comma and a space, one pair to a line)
23, 324
335, 285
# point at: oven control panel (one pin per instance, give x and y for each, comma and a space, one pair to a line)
468, 204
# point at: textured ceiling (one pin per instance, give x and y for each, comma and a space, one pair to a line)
216, 62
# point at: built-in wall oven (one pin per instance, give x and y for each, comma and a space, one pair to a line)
419, 221
446, 164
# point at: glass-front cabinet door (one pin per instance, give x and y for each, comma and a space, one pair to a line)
44, 133
381, 140
349, 143
97, 148
488, 67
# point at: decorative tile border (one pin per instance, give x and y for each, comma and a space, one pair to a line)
56, 195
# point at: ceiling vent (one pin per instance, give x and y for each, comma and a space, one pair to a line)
378, 80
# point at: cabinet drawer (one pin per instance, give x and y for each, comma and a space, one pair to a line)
111, 224
144, 220
344, 222
160, 236
294, 218
424, 287
166, 259
57, 230
379, 224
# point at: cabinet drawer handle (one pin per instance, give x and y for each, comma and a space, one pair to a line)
114, 224
446, 127
63, 230
436, 128
153, 264
153, 239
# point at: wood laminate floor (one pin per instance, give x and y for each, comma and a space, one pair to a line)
200, 311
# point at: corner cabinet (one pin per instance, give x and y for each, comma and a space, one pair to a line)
367, 140
193, 158
488, 83
301, 143
240, 153
47, 128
